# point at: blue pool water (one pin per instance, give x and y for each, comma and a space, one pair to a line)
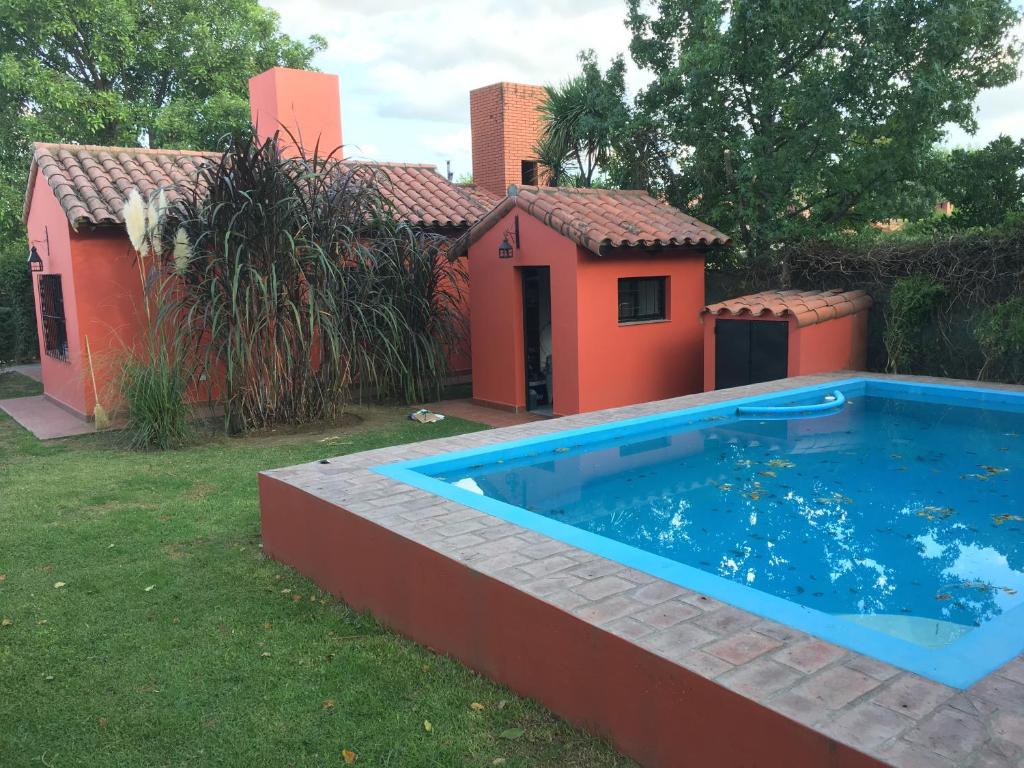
894, 525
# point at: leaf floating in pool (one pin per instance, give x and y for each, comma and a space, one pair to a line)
767, 473
944, 596
1000, 519
781, 463
753, 495
993, 470
975, 476
932, 512
725, 487
561, 450
744, 463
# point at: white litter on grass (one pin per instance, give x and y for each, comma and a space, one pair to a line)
423, 416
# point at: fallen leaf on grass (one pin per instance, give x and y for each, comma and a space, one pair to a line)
427, 726
102, 722
6, 622
59, 585
268, 625
512, 733
296, 598
501, 704
150, 588
476, 705
265, 654
327, 703
41, 622
498, 761
3, 578
348, 756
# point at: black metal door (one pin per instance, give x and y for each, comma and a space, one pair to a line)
750, 351
769, 350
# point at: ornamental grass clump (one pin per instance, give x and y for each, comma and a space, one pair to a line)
298, 288
154, 379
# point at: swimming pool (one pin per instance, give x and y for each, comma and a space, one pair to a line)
891, 524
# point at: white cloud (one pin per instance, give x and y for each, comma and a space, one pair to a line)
407, 66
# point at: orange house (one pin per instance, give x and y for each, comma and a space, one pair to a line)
89, 287
585, 299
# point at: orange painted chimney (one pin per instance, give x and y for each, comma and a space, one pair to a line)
305, 104
505, 125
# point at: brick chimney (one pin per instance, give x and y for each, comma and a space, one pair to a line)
297, 101
505, 125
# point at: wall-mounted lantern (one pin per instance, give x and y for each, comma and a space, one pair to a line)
35, 261
505, 249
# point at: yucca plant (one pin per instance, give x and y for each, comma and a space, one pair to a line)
298, 284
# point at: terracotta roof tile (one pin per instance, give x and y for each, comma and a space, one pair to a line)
601, 219
809, 307
91, 183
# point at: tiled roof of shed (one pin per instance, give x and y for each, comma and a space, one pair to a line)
808, 307
601, 219
91, 183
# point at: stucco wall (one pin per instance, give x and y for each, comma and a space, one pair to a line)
110, 302
639, 362
49, 232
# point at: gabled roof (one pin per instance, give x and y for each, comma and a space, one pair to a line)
808, 307
601, 219
91, 183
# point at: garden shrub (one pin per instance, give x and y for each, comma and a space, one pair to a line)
154, 394
1000, 334
18, 341
913, 304
299, 285
977, 269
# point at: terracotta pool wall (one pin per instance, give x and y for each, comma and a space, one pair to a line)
648, 707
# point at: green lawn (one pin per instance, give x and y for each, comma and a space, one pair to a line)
16, 385
141, 625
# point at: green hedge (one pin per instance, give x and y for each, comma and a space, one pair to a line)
953, 297
18, 342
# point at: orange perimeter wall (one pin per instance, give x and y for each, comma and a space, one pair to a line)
598, 363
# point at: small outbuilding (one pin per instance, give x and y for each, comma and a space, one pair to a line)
585, 299
776, 334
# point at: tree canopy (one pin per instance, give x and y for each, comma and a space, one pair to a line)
785, 116
129, 72
985, 185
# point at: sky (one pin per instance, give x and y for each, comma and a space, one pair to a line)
407, 66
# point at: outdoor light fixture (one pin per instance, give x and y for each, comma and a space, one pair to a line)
35, 261
505, 249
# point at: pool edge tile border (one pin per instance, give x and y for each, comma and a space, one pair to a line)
872, 708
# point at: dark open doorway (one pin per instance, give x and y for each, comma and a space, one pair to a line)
537, 339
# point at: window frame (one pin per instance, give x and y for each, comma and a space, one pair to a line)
53, 317
663, 288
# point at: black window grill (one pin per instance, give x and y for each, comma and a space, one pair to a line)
641, 299
51, 305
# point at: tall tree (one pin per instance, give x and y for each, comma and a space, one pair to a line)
984, 185
784, 116
128, 72
581, 116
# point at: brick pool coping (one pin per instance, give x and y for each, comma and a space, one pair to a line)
687, 679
